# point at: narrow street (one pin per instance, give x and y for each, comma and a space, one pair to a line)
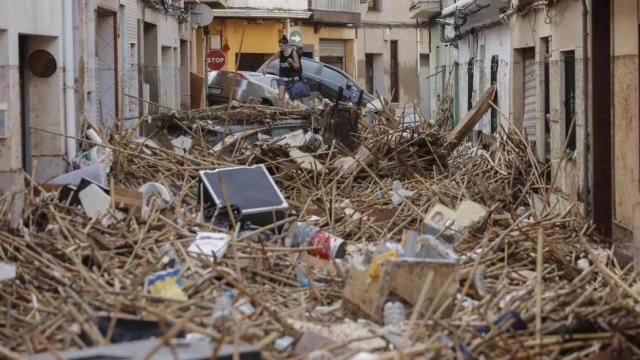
319, 179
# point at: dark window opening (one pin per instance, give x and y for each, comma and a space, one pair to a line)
470, 68
369, 70
494, 81
395, 80
251, 62
547, 101
570, 99
373, 5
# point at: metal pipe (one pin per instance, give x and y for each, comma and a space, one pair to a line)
418, 60
69, 80
585, 95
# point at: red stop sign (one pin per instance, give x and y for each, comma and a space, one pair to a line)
215, 60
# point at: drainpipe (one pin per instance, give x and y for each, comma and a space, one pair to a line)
418, 61
585, 96
287, 26
69, 79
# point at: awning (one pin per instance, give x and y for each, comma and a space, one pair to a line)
264, 14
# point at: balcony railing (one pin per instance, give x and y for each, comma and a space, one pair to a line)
350, 6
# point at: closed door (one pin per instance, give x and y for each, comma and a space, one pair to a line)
529, 118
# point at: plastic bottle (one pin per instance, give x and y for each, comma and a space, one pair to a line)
393, 313
223, 308
329, 247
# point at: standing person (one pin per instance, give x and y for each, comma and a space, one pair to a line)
289, 67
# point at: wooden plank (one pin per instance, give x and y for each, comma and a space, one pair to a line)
197, 90
470, 119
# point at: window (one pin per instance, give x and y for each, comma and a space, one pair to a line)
369, 70
395, 81
334, 76
374, 5
570, 98
311, 67
470, 68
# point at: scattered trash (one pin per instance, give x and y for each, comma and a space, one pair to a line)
182, 144
393, 335
374, 278
349, 166
96, 173
165, 284
517, 323
320, 355
223, 309
583, 264
263, 205
125, 329
365, 356
399, 193
284, 343
305, 160
7, 271
212, 245
95, 201
393, 313
176, 348
325, 246
157, 193
449, 224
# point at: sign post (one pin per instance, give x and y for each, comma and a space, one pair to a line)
215, 60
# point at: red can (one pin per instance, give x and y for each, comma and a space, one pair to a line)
330, 247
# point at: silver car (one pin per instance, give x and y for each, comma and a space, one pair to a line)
248, 86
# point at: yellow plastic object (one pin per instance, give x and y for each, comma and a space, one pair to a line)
374, 268
168, 288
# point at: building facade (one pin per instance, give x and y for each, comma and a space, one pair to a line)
394, 53
32, 96
376, 43
64, 63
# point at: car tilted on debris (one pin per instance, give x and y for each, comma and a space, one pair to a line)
249, 86
326, 80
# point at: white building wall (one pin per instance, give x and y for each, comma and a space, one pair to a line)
168, 44
41, 24
482, 46
130, 73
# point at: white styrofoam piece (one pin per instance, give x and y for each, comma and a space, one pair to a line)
94, 201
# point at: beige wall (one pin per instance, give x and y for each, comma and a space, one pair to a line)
564, 28
626, 130
394, 16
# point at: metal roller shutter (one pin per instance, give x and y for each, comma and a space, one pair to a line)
530, 97
332, 48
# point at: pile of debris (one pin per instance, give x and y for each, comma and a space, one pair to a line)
344, 238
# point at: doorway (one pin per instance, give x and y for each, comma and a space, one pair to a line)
425, 86
23, 43
151, 69
106, 67
395, 72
